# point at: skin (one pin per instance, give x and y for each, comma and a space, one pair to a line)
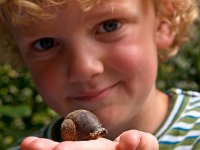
130, 140
111, 74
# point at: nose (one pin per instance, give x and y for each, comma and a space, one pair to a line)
84, 65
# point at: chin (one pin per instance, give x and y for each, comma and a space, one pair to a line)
111, 119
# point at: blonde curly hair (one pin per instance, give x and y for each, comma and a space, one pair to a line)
180, 13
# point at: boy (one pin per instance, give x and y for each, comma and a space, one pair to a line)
102, 56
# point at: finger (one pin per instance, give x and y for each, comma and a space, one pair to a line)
148, 142
117, 139
34, 143
100, 144
129, 140
137, 140
27, 141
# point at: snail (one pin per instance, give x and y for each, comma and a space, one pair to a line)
81, 125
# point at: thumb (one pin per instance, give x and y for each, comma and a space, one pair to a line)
133, 139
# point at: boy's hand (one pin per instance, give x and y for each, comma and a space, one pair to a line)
34, 143
129, 140
137, 140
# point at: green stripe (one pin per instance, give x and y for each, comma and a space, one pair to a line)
195, 109
188, 120
187, 142
166, 147
176, 132
196, 127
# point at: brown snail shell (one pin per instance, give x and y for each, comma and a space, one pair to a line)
81, 125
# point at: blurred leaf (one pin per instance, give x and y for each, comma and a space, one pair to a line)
15, 111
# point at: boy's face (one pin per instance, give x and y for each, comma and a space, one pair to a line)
103, 60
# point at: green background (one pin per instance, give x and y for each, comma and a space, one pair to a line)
22, 111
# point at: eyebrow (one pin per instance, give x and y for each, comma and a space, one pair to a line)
109, 10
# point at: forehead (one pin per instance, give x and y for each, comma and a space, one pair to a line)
87, 5
73, 9
28, 11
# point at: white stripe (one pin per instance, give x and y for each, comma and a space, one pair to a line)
172, 138
186, 147
183, 125
192, 106
171, 116
197, 121
191, 113
179, 91
193, 133
194, 99
186, 126
193, 93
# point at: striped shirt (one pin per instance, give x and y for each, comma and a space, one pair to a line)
179, 131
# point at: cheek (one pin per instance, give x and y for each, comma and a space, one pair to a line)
135, 60
49, 84
54, 93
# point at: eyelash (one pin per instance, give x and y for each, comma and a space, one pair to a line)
44, 44
109, 24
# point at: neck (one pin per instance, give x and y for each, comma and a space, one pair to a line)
153, 113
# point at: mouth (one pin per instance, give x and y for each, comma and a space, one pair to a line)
94, 95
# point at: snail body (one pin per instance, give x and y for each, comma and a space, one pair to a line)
81, 125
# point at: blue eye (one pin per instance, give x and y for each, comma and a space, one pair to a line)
45, 44
109, 26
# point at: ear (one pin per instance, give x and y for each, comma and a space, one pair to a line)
164, 35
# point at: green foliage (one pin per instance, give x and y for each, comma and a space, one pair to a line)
22, 111
183, 70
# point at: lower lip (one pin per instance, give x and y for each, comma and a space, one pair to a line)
98, 97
